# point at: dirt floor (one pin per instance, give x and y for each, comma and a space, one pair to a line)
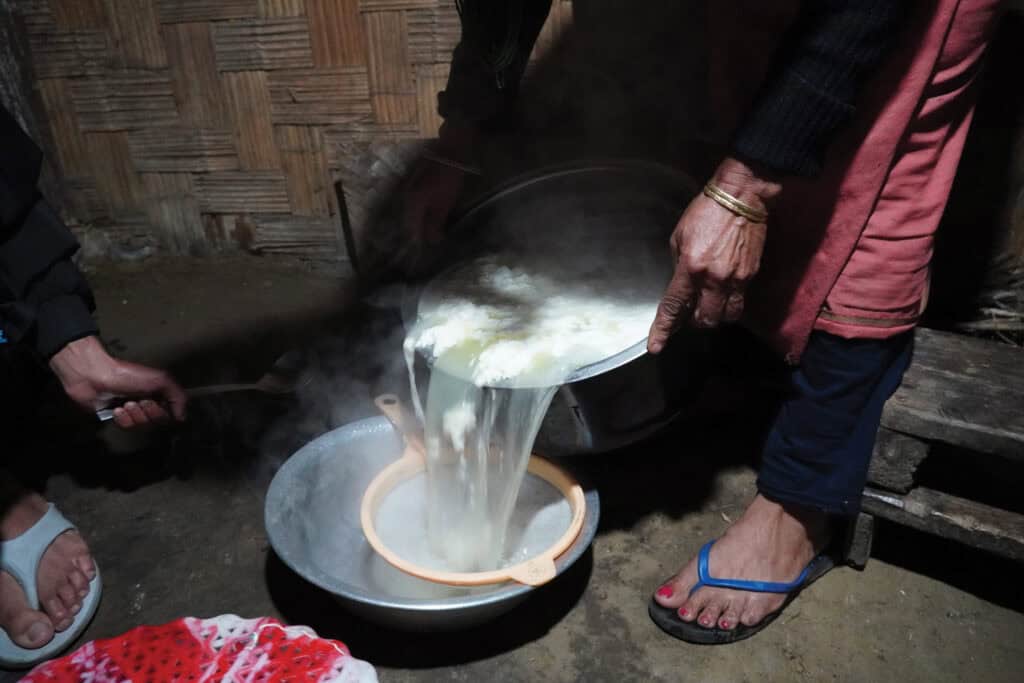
175, 522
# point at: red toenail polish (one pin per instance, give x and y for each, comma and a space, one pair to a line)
683, 612
665, 592
724, 624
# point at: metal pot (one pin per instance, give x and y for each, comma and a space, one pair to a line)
598, 211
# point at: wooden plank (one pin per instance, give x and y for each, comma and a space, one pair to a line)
68, 141
173, 209
962, 391
263, 44
974, 524
305, 168
447, 32
63, 55
183, 150
394, 107
76, 15
895, 460
860, 534
179, 224
221, 228
248, 100
84, 202
323, 96
340, 141
295, 236
336, 33
184, 11
168, 184
242, 192
367, 163
420, 37
385, 5
124, 100
390, 68
433, 34
112, 169
272, 9
430, 79
129, 224
197, 85
37, 16
126, 235
135, 30
346, 231
369, 173
366, 129
392, 84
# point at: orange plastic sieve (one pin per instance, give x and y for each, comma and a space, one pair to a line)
535, 571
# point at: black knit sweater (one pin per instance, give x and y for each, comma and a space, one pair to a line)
44, 299
812, 89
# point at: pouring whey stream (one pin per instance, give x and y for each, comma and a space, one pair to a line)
501, 334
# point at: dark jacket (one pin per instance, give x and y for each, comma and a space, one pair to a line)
831, 50
44, 299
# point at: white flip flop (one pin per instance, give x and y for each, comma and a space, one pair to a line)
20, 558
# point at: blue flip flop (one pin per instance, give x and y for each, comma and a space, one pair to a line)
668, 619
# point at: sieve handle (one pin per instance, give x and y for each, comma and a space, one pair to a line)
535, 572
395, 412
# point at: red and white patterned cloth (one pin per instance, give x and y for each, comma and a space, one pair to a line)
226, 649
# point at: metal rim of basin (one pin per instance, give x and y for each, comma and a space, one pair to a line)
311, 453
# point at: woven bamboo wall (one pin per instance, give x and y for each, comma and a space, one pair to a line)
210, 122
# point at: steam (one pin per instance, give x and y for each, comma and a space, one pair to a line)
626, 82
347, 368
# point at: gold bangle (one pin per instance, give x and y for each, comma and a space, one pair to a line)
737, 206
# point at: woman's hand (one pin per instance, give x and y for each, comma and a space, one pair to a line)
716, 254
90, 376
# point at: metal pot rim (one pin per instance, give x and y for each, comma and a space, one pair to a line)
665, 174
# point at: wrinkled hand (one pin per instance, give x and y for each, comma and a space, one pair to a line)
716, 255
91, 376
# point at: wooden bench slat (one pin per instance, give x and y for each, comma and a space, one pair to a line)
967, 521
895, 460
962, 391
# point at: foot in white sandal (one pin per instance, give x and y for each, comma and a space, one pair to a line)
49, 585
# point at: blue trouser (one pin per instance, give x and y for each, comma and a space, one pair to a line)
820, 445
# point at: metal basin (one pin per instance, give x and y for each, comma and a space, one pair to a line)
312, 520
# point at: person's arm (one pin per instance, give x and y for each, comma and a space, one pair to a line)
45, 299
490, 59
833, 48
828, 54
47, 290
487, 67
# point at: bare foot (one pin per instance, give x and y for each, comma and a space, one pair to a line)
62, 581
768, 543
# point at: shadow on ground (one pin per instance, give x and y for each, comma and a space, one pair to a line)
992, 578
303, 603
